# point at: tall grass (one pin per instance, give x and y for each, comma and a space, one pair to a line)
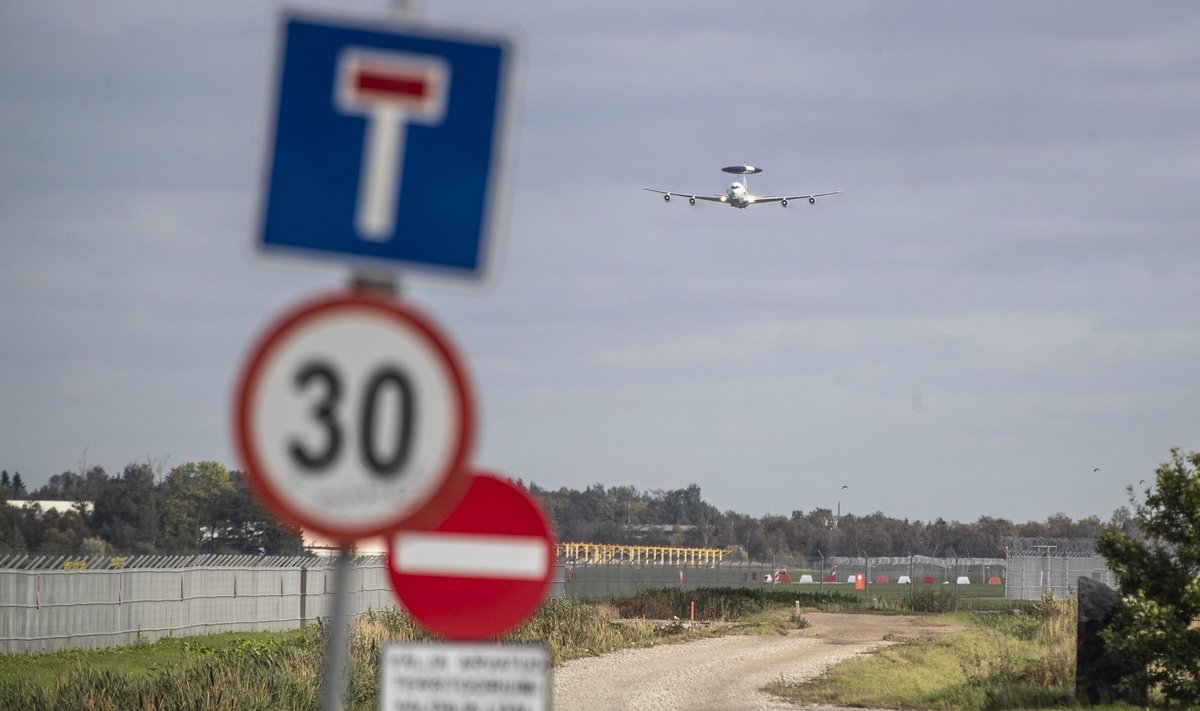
566, 627
1005, 660
1011, 660
251, 675
262, 671
720, 603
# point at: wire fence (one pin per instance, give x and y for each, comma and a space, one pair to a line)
1053, 566
52, 603
48, 604
892, 578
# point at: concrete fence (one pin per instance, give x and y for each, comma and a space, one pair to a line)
48, 606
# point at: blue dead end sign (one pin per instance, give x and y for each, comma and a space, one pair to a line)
387, 142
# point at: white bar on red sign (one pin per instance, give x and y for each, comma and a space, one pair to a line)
469, 555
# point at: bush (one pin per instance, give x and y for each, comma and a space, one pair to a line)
931, 600
1155, 629
716, 603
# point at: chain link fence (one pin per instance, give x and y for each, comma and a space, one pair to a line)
891, 577
1041, 566
51, 603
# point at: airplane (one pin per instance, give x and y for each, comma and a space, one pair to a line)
738, 193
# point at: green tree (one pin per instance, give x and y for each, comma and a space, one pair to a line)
126, 510
1158, 627
12, 539
60, 532
249, 529
18, 487
192, 497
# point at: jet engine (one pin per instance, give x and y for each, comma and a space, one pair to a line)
667, 197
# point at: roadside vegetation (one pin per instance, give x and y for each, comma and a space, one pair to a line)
279, 670
1021, 659
284, 670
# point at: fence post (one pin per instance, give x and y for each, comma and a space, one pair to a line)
303, 595
821, 586
956, 581
911, 578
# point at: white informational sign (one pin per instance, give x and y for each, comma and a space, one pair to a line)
353, 417
464, 677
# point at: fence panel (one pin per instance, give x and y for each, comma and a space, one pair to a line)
92, 604
1041, 566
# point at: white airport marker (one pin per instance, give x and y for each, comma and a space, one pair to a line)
391, 89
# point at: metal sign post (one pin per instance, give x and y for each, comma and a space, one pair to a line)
337, 641
386, 149
353, 417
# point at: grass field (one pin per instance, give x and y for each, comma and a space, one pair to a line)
272, 671
1004, 661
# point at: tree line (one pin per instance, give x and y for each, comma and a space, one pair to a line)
198, 507
680, 517
202, 507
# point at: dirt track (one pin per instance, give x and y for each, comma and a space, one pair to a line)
725, 673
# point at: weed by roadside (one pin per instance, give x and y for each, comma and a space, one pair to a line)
1013, 660
719, 603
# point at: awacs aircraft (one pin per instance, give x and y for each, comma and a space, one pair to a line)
738, 193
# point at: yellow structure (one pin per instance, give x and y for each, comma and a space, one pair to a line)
650, 555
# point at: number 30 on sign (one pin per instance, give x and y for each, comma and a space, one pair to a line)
353, 417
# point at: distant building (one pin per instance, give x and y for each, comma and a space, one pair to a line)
51, 505
319, 545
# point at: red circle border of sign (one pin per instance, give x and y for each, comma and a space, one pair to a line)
454, 482
531, 594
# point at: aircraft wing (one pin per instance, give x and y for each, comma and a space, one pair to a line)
668, 194
781, 198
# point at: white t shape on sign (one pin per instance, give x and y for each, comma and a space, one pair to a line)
392, 89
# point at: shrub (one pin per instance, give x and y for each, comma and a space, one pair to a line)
931, 600
716, 603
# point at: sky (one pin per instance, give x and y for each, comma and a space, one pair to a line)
1000, 315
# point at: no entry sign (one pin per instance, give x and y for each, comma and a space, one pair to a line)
353, 417
483, 570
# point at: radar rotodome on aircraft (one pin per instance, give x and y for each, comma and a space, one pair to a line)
738, 193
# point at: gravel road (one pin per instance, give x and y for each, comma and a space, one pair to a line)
724, 673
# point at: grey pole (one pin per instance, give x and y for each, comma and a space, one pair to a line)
337, 640
821, 586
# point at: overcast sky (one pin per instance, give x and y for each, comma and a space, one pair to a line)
1004, 299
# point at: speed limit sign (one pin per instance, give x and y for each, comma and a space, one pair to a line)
353, 417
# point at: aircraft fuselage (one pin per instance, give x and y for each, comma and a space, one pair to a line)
736, 195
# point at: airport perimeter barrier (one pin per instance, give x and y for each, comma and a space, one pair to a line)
1042, 566
889, 577
52, 603
48, 604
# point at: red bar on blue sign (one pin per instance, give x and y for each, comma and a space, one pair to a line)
391, 84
